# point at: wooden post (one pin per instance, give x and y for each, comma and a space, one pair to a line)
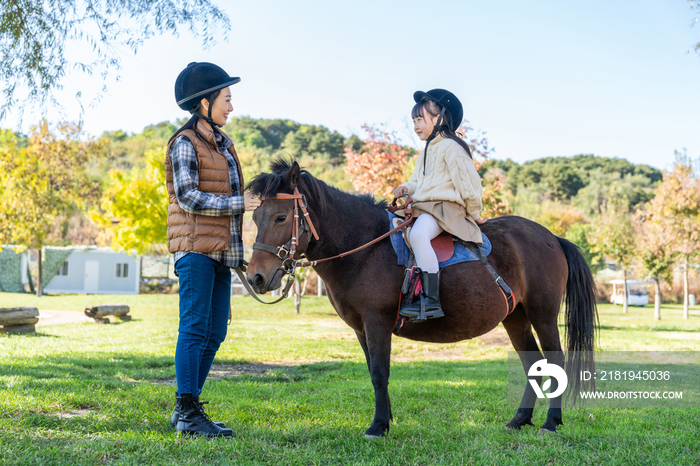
624, 290
657, 299
686, 261
39, 288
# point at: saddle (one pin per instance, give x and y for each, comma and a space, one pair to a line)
443, 244
444, 248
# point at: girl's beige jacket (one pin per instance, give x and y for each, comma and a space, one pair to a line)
450, 176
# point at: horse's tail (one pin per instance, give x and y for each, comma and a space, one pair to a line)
581, 316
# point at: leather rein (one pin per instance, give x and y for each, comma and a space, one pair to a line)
287, 252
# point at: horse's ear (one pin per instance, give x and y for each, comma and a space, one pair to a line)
291, 178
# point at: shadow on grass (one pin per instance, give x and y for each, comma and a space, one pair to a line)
648, 328
128, 368
86, 394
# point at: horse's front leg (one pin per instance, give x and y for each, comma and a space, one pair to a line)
376, 343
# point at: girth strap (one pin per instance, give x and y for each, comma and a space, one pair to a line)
503, 286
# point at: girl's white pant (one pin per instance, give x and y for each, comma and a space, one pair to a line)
424, 229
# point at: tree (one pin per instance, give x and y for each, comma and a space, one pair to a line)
654, 258
43, 184
578, 234
378, 167
35, 34
478, 143
495, 198
301, 277
612, 236
134, 207
695, 6
677, 213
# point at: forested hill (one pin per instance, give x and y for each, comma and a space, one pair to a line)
587, 181
258, 141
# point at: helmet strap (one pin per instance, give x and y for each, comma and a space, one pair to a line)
208, 118
432, 136
439, 120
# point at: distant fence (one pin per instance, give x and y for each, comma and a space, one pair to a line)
157, 267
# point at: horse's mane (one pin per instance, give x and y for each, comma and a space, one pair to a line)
315, 190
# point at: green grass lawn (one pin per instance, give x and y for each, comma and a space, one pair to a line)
295, 388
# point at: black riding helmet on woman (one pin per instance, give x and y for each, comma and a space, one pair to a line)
206, 204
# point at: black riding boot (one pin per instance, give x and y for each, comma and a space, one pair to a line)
178, 407
194, 421
428, 305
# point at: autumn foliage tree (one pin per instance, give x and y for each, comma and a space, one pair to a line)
676, 209
612, 236
478, 143
43, 183
494, 196
378, 166
133, 208
653, 258
381, 164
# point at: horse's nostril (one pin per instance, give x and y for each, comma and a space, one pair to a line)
258, 280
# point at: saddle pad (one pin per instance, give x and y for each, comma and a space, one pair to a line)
461, 254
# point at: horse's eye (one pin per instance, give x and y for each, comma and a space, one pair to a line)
281, 219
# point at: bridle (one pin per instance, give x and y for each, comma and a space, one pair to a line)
287, 252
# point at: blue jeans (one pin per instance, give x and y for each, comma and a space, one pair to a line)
205, 301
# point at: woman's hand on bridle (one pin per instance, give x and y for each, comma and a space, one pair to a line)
251, 202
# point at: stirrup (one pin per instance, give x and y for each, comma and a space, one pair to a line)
421, 315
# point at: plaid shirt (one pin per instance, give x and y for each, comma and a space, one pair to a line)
194, 201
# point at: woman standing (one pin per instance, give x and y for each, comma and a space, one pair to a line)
206, 204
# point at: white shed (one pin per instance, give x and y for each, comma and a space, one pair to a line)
94, 271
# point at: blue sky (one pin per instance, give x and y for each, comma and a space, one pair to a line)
541, 78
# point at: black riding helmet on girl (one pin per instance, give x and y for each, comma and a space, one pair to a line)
449, 118
201, 80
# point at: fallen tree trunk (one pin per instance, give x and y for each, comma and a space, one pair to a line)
12, 316
118, 310
18, 329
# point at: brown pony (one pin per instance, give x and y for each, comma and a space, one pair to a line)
540, 268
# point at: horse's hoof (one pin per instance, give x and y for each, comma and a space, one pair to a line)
376, 432
513, 428
372, 437
547, 431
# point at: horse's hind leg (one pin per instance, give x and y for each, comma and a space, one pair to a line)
520, 332
548, 333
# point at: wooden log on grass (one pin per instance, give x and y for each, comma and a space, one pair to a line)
17, 329
13, 316
100, 313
